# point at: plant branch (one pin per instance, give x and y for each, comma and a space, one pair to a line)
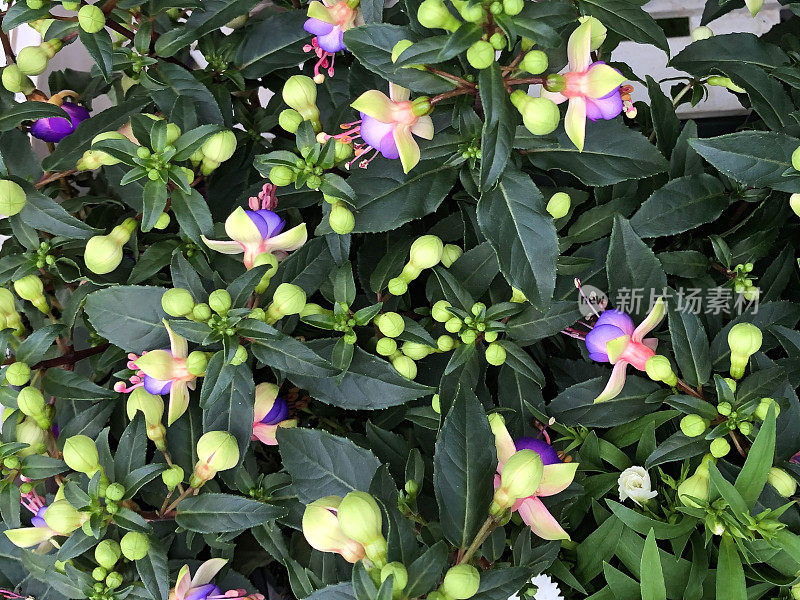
70, 358
480, 537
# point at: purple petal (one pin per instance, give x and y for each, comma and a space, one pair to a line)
545, 451
607, 107
617, 318
597, 339
38, 519
379, 136
156, 386
55, 129
202, 592
269, 223
332, 42
278, 412
317, 27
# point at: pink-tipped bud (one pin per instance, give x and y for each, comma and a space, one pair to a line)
216, 451
322, 531
360, 519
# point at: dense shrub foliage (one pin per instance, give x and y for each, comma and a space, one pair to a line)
354, 301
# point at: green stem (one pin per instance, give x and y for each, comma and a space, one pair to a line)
481, 536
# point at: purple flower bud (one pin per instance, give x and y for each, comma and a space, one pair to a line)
55, 129
607, 107
617, 318
380, 136
545, 451
278, 412
597, 339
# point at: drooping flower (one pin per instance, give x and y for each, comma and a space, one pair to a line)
613, 339
270, 412
163, 372
592, 89
388, 125
327, 22
259, 231
39, 534
202, 587
557, 476
634, 483
55, 129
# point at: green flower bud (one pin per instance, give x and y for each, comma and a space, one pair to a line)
177, 302
720, 447
342, 151
114, 580
18, 373
80, 454
517, 296
558, 205
31, 403
163, 220
300, 93
201, 312
534, 62
28, 432
495, 354
784, 484
405, 366
480, 55
796, 591
220, 146
745, 427
694, 425
289, 119
62, 517
701, 33
744, 340
115, 492
400, 576
498, 40
240, 356
426, 252
519, 478
265, 258
439, 311
436, 404
472, 13
386, 346
490, 336
719, 81
288, 299
468, 336
724, 408
397, 287
513, 7
415, 350
445, 343
453, 325
390, 324
796, 159
220, 302
281, 175
15, 81
451, 254
29, 287
341, 219
51, 47
107, 553
103, 253
433, 14
172, 477
696, 486
134, 545
99, 573
539, 115
763, 407
462, 581
32, 60
409, 273
216, 451
196, 363
658, 369
599, 31
360, 519
91, 19
399, 48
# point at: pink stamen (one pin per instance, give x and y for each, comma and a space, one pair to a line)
324, 62
266, 200
580, 291
11, 595
543, 431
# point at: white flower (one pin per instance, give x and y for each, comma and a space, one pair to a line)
634, 483
547, 588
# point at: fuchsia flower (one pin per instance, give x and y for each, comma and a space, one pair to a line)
270, 412
592, 89
55, 129
556, 478
201, 586
388, 125
259, 231
39, 534
613, 339
163, 372
327, 22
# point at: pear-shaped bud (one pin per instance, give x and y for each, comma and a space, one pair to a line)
12, 198
599, 32
754, 6
62, 517
115, 492
517, 296
107, 553
744, 340
103, 253
696, 486
513, 7
701, 33
720, 81
519, 478
341, 219
300, 93
719, 447
694, 425
288, 299
534, 62
281, 175
220, 146
405, 366
658, 368
426, 252
31, 402
289, 119
28, 432
495, 354
29, 287
386, 347
322, 531
201, 312
216, 451
80, 454
91, 19
763, 408
32, 60
539, 115
220, 302
445, 343
439, 311
416, 351
134, 545
433, 14
558, 205
172, 477
396, 286
480, 55
163, 219
399, 574
196, 363
361, 520
177, 302
783, 482
461, 582
15, 80
18, 373
390, 324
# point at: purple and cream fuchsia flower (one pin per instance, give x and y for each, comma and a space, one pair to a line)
163, 372
613, 339
202, 586
327, 22
259, 231
39, 534
388, 125
55, 129
557, 476
592, 89
269, 412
